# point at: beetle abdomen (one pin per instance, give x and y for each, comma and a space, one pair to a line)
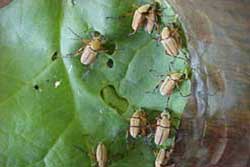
134, 126
162, 131
101, 155
88, 56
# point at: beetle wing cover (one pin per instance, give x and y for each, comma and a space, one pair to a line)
135, 124
151, 21
101, 155
162, 131
159, 162
167, 87
171, 46
144, 8
138, 20
88, 56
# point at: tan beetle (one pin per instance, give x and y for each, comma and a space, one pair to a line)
139, 17
146, 15
170, 82
162, 128
138, 123
101, 155
173, 80
163, 157
171, 41
152, 18
93, 47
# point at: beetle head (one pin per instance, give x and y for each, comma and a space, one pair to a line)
186, 73
156, 4
165, 33
165, 113
142, 113
95, 34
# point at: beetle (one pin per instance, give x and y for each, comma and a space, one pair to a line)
146, 15
138, 123
101, 155
171, 41
139, 17
173, 80
169, 83
91, 48
163, 158
162, 128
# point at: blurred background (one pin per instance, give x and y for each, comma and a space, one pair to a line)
215, 128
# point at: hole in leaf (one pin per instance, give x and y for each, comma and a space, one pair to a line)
112, 99
36, 87
110, 63
54, 56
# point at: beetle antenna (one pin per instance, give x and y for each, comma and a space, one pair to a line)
77, 35
118, 17
168, 101
183, 94
156, 73
79, 148
186, 59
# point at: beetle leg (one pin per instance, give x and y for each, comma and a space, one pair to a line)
157, 39
129, 140
132, 33
173, 32
184, 95
167, 102
103, 50
79, 148
158, 85
171, 64
180, 92
120, 17
92, 154
143, 131
85, 41
77, 35
77, 53
155, 88
186, 59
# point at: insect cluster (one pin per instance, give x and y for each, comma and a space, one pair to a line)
140, 126
147, 16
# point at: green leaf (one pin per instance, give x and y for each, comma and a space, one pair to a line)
49, 108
